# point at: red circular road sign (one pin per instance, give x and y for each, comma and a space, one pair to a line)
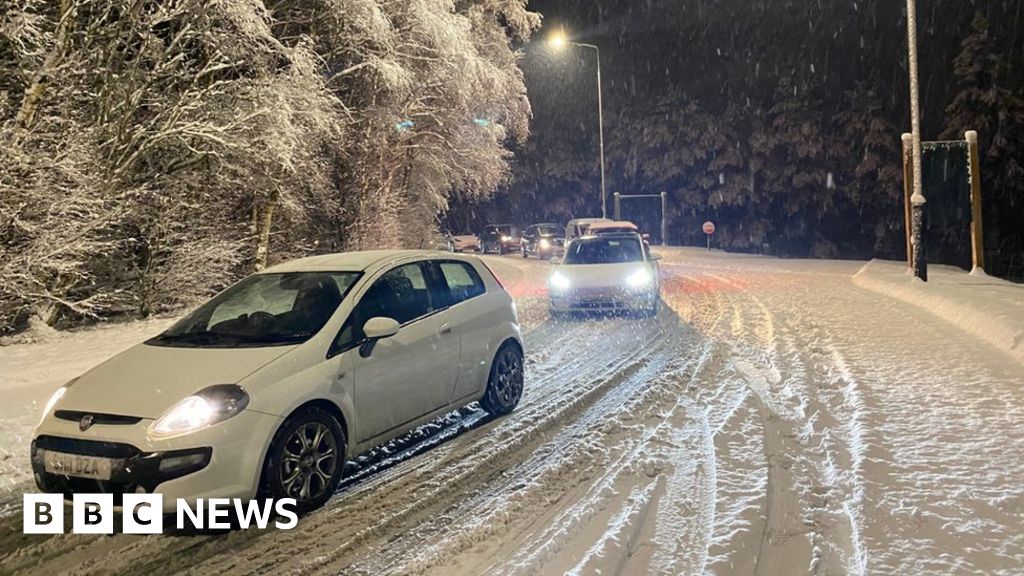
709, 228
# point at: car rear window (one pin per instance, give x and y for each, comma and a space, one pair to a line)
462, 280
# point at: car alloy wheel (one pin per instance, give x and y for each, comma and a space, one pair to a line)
306, 459
505, 386
309, 461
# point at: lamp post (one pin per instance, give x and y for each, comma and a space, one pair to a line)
558, 41
917, 199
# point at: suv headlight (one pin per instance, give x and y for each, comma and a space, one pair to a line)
203, 409
559, 281
639, 279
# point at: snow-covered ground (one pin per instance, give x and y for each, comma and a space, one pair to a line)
776, 418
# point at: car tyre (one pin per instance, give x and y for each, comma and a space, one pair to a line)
505, 383
299, 464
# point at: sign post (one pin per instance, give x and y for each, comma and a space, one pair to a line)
709, 229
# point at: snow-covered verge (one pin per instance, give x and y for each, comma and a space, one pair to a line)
990, 308
31, 371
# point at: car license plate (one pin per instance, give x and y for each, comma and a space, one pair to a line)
77, 465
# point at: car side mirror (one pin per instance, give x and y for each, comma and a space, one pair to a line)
654, 257
380, 327
375, 329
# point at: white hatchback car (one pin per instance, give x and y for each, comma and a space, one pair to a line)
269, 387
606, 273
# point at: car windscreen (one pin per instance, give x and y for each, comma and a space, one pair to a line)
604, 251
263, 310
550, 230
498, 231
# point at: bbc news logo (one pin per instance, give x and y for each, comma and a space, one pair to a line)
144, 514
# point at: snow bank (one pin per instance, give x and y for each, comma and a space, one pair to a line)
987, 307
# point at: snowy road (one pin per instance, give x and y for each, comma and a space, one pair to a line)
773, 419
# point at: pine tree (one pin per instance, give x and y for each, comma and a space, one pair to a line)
986, 102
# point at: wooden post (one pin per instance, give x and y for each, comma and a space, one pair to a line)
977, 234
908, 187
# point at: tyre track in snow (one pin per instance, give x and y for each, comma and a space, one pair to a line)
806, 525
755, 430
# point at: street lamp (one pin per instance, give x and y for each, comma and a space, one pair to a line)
557, 42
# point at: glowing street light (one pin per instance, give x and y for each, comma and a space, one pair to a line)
558, 41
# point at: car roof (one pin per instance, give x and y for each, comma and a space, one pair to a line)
612, 235
614, 224
350, 261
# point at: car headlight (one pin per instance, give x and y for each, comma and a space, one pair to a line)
202, 409
639, 279
559, 281
545, 243
506, 238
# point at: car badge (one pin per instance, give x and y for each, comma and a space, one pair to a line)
86, 422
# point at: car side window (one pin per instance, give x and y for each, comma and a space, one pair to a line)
401, 294
462, 280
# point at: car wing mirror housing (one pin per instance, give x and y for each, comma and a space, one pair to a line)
376, 329
380, 327
654, 257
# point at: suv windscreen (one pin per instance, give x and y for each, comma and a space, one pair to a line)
262, 310
604, 250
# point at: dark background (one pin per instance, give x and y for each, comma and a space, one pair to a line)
778, 120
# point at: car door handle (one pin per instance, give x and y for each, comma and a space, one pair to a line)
445, 328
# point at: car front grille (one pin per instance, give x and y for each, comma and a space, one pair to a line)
97, 418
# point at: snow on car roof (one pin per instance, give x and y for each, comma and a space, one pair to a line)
614, 224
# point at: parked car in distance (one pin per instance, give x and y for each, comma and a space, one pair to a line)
543, 241
465, 242
267, 389
606, 273
578, 227
500, 239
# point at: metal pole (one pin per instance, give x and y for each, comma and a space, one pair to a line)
917, 200
617, 197
977, 234
664, 225
600, 133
